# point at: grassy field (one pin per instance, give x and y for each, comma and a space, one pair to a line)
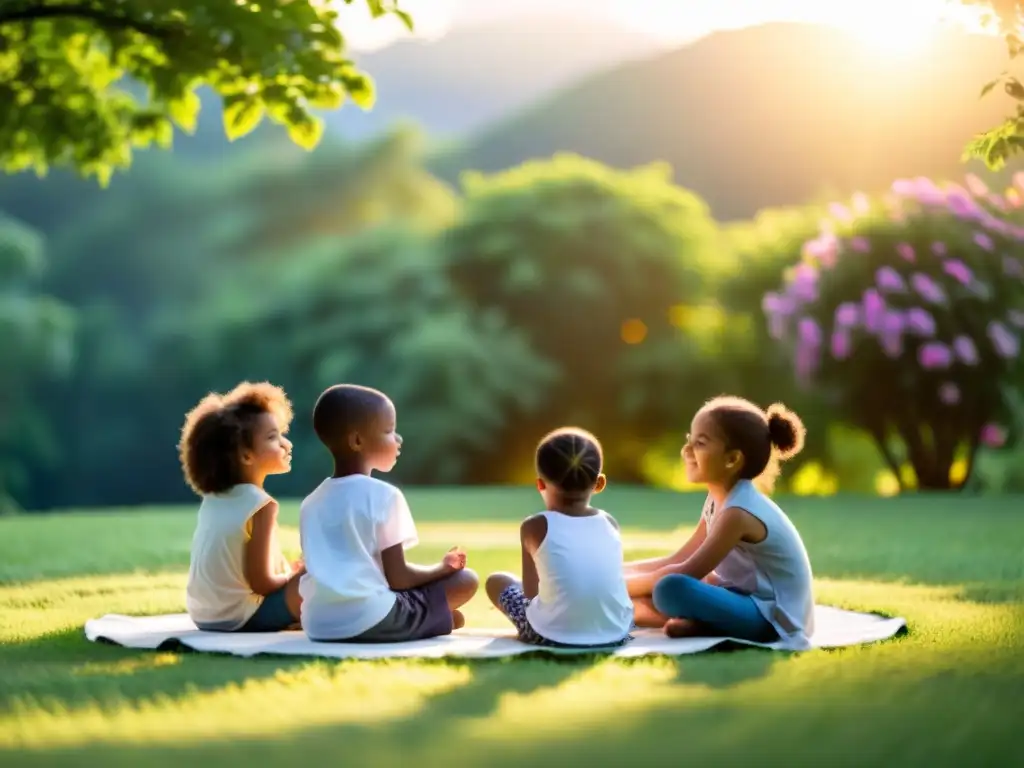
949, 693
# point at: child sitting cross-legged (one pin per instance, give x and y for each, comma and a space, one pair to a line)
355, 529
238, 579
573, 592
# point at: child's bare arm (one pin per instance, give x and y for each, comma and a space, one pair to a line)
261, 553
531, 535
639, 567
402, 575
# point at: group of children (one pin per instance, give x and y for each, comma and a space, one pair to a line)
744, 572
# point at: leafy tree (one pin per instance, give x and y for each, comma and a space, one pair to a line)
62, 60
907, 313
374, 309
593, 264
37, 333
998, 144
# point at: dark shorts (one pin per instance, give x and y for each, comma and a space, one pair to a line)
513, 604
417, 614
272, 615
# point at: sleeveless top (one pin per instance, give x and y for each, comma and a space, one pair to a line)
218, 597
775, 572
582, 597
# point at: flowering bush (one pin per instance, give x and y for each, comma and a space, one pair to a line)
907, 313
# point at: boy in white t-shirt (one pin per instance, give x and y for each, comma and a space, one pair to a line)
354, 530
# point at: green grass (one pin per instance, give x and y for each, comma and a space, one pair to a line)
947, 693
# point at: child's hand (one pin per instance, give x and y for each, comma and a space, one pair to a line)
299, 566
454, 560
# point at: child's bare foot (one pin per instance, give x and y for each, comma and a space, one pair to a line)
458, 620
681, 628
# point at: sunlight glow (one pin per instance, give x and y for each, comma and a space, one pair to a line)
891, 27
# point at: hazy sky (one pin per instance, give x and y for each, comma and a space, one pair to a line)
891, 22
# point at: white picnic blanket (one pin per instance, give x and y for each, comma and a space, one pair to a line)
834, 628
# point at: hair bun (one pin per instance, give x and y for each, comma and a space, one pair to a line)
785, 430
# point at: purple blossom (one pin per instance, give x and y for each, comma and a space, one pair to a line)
958, 271
806, 362
920, 321
860, 244
965, 350
939, 248
949, 393
847, 314
888, 279
841, 346
928, 289
874, 307
962, 205
906, 252
1016, 317
993, 436
983, 241
1005, 343
934, 355
809, 331
892, 333
1012, 267
998, 201
805, 282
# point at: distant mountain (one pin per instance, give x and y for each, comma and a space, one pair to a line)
475, 75
770, 115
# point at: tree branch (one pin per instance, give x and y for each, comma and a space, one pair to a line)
87, 13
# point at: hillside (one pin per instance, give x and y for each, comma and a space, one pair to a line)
477, 74
764, 116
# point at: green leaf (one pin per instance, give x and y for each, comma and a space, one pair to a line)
241, 116
991, 84
306, 132
185, 111
406, 19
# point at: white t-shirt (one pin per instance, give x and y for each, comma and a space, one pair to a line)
218, 596
344, 525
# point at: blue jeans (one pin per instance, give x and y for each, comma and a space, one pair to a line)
724, 611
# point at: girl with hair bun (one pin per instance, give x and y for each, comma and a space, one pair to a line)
744, 573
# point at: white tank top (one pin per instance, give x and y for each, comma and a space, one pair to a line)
217, 596
582, 597
775, 572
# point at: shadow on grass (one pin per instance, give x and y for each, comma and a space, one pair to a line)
62, 671
726, 666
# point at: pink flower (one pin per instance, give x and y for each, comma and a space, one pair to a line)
993, 436
958, 271
965, 350
1016, 317
824, 248
874, 308
939, 248
888, 279
928, 289
934, 355
1003, 341
949, 393
906, 252
847, 314
860, 244
841, 346
982, 240
920, 321
806, 363
976, 185
839, 211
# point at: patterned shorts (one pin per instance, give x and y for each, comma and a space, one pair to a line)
513, 604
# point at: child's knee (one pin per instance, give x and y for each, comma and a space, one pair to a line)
672, 592
496, 584
461, 586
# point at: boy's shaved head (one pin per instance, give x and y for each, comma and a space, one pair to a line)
343, 409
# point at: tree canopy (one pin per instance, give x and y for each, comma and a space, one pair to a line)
82, 82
